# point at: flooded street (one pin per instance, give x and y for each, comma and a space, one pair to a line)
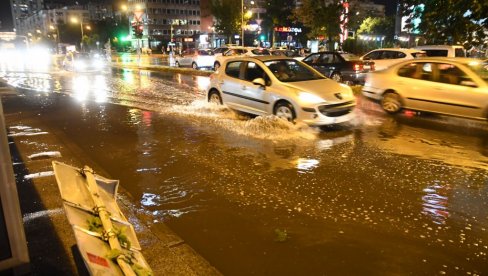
381, 195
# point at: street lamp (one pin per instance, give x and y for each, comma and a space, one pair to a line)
74, 20
242, 22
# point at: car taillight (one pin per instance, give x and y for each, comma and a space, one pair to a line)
358, 67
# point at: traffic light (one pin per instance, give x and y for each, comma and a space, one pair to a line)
138, 29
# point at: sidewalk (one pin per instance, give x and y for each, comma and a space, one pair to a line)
50, 239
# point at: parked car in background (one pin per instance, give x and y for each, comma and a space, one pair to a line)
281, 86
239, 51
443, 50
287, 53
383, 58
450, 86
196, 58
340, 66
220, 50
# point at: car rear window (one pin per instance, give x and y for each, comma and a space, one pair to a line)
349, 57
435, 52
233, 69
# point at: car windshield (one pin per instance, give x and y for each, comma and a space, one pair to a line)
289, 70
349, 57
480, 68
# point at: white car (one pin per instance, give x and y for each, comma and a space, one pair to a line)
239, 51
196, 59
384, 58
450, 86
282, 86
443, 50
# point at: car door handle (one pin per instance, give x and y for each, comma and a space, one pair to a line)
221, 82
244, 87
437, 88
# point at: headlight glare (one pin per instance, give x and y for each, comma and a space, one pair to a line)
309, 98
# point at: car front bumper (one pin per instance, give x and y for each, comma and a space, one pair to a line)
328, 114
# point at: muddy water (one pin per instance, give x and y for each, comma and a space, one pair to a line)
261, 196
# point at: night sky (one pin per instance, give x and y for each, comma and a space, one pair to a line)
7, 24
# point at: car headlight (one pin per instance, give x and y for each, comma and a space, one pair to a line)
309, 98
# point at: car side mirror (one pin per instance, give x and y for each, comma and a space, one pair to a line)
260, 82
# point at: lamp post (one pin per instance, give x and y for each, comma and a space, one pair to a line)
242, 22
75, 21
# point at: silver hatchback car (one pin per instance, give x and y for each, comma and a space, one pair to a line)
449, 86
281, 86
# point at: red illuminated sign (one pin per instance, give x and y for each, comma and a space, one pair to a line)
288, 29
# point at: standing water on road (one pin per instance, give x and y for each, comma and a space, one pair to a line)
262, 196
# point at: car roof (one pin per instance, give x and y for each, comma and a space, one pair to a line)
408, 50
439, 46
260, 58
458, 60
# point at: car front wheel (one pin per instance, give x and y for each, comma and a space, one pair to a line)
194, 66
285, 110
177, 64
216, 66
214, 97
391, 103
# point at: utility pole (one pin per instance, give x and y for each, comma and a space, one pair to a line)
242, 22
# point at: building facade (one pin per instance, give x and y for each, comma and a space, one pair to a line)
165, 21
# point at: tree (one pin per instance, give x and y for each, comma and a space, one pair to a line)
278, 13
378, 26
448, 21
228, 16
323, 18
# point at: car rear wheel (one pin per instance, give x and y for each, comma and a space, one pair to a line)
177, 64
391, 102
214, 97
216, 66
194, 66
337, 77
285, 110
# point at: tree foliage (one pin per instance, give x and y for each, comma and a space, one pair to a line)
378, 26
448, 21
323, 18
228, 16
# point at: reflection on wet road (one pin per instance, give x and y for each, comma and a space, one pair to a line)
381, 195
